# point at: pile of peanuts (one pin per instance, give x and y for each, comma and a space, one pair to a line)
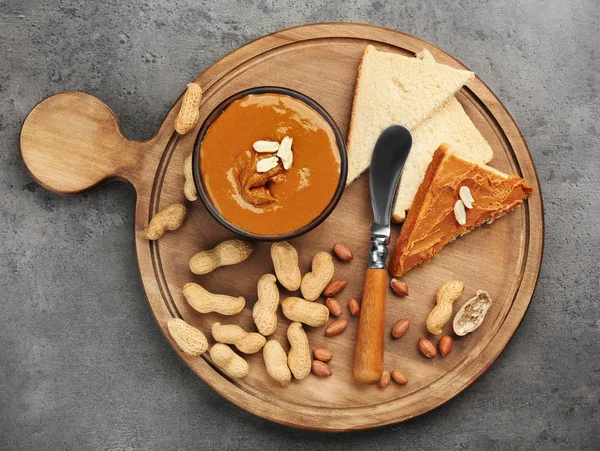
301, 311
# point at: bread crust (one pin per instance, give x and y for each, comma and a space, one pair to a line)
360, 68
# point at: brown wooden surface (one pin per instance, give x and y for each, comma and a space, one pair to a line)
72, 142
368, 355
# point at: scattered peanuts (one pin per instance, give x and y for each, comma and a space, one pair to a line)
399, 287
400, 327
442, 312
385, 379
285, 262
231, 363
334, 287
334, 306
264, 311
189, 112
299, 360
189, 189
322, 354
321, 369
191, 340
276, 362
170, 218
203, 301
354, 307
297, 363
399, 377
336, 327
232, 334
314, 282
229, 252
309, 313
343, 252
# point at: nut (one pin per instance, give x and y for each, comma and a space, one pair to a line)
170, 218
399, 377
264, 311
343, 252
299, 360
399, 287
321, 369
472, 313
354, 307
285, 262
334, 306
426, 347
203, 301
285, 152
189, 112
266, 146
400, 327
188, 338
309, 313
445, 345
276, 362
232, 364
442, 312
465, 195
334, 287
385, 379
314, 282
189, 189
322, 354
459, 212
336, 327
266, 164
229, 252
232, 334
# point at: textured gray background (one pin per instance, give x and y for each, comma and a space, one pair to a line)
82, 363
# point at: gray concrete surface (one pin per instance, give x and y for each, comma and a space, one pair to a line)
82, 363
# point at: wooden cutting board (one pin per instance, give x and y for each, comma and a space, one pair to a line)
72, 142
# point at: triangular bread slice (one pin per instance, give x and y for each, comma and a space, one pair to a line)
431, 222
394, 89
448, 124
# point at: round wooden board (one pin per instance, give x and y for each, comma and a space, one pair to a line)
71, 142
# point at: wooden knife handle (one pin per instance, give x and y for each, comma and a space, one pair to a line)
368, 356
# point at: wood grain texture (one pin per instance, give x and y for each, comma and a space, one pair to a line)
71, 142
368, 355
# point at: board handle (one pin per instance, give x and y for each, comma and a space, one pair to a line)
368, 355
71, 142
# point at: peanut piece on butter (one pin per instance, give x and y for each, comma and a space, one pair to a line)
266, 164
266, 146
285, 152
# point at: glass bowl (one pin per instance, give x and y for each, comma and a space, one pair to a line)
204, 196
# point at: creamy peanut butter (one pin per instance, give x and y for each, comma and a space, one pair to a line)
278, 200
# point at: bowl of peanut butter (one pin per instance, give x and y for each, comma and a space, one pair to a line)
269, 163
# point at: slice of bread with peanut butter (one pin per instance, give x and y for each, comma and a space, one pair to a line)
433, 222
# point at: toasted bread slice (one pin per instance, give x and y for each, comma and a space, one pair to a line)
394, 89
448, 124
431, 222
